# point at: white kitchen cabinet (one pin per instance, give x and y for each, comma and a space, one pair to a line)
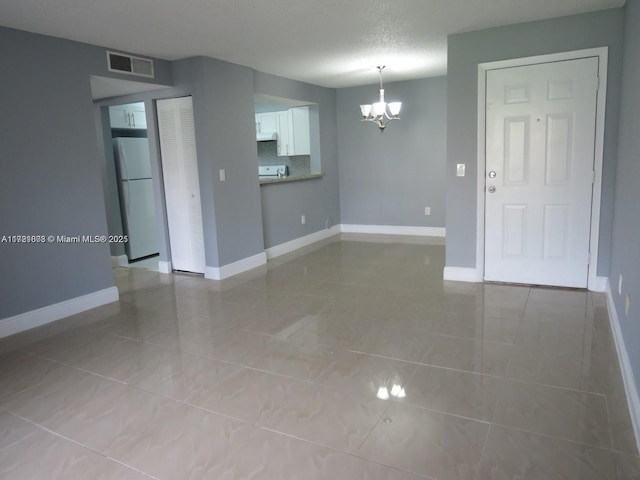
293, 132
266, 122
301, 136
284, 140
129, 116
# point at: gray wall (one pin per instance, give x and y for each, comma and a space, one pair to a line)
225, 137
625, 245
389, 178
317, 199
50, 163
465, 52
237, 222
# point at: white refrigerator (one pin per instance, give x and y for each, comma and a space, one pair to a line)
133, 166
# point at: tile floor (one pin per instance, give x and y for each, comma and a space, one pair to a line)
276, 374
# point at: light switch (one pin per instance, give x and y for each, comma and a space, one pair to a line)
460, 170
222, 176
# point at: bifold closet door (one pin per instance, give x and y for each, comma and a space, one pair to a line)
181, 184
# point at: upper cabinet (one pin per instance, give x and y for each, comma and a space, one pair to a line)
301, 134
266, 122
292, 127
128, 116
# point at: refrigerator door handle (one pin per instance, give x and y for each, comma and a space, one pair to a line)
123, 165
128, 199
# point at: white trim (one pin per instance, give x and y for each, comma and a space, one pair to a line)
164, 267
395, 230
630, 387
297, 243
602, 54
119, 261
51, 313
462, 274
600, 284
231, 269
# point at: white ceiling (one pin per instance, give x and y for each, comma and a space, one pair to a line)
333, 43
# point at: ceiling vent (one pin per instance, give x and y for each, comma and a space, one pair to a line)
118, 62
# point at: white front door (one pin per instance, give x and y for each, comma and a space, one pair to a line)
540, 139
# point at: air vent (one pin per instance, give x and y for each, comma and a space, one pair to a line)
118, 62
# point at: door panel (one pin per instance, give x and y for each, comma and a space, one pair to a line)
516, 160
556, 221
181, 183
559, 152
514, 231
540, 138
141, 219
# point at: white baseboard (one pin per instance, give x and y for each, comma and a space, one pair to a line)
630, 387
164, 267
599, 285
231, 269
51, 313
297, 243
119, 261
394, 230
462, 274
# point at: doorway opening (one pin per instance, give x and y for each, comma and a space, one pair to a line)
134, 217
134, 187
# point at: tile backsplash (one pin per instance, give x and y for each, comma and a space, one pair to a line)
268, 155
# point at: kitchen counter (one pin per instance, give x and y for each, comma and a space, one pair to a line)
291, 178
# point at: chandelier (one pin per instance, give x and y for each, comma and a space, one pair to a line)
381, 112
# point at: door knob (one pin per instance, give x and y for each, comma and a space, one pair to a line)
492, 174
492, 189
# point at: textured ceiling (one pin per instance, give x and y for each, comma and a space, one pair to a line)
333, 43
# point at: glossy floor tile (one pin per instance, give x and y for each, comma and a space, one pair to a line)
349, 360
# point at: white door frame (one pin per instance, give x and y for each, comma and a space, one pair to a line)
594, 283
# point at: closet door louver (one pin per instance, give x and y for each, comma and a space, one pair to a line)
181, 183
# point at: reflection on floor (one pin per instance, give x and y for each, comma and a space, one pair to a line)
149, 263
351, 361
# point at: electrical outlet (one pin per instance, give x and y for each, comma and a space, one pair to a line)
222, 176
460, 170
303, 220
627, 304
427, 210
620, 285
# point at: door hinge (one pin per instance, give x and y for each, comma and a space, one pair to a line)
597, 83
593, 178
589, 259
